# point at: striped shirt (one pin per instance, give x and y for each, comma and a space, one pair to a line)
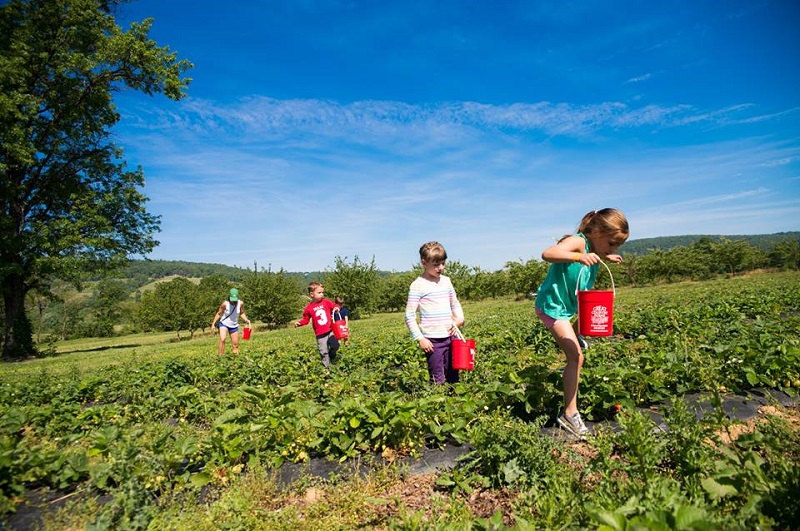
437, 303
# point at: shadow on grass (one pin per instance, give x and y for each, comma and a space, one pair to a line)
99, 349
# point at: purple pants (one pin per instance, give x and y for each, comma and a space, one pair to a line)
440, 362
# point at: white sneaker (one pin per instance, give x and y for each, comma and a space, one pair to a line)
582, 342
573, 424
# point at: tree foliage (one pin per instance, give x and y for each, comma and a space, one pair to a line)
392, 290
68, 203
272, 297
174, 306
106, 304
357, 282
524, 278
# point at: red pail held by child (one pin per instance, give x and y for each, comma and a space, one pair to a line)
463, 352
340, 328
596, 309
246, 331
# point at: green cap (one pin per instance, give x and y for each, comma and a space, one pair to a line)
234, 295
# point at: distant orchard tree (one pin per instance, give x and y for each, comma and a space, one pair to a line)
106, 306
357, 282
629, 269
213, 290
68, 204
174, 306
524, 278
391, 293
272, 297
785, 255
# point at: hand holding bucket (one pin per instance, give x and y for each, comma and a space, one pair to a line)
463, 352
596, 308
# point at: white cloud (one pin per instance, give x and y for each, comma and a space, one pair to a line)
295, 183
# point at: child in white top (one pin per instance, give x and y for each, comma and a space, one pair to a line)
433, 295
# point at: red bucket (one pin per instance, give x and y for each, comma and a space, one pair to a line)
246, 332
596, 310
463, 354
341, 330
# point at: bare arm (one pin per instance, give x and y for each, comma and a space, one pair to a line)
218, 315
570, 249
246, 320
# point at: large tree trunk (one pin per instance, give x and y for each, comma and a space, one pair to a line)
18, 334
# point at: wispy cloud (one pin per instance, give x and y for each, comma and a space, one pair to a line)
272, 118
295, 183
639, 79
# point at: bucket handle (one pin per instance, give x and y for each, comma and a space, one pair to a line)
459, 335
578, 283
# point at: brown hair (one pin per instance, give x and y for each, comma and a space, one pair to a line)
339, 299
432, 252
605, 221
312, 286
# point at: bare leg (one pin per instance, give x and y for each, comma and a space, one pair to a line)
567, 340
223, 333
235, 341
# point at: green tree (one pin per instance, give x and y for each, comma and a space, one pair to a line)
68, 204
357, 282
213, 290
272, 297
106, 305
524, 278
175, 305
734, 256
785, 255
629, 269
391, 293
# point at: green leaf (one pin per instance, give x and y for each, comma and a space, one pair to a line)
201, 479
688, 516
253, 391
716, 490
355, 422
231, 415
610, 521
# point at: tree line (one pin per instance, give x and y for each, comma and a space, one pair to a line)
116, 306
71, 208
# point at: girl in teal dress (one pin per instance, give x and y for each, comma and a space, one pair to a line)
599, 235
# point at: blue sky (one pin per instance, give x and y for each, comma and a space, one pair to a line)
322, 128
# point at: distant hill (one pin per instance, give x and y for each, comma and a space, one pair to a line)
664, 243
155, 269
145, 271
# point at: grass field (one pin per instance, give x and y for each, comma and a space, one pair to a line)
146, 432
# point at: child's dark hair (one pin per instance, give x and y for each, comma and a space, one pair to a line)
433, 252
339, 299
605, 221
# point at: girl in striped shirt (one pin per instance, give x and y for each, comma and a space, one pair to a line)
433, 295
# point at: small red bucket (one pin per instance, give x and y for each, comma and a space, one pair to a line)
596, 310
463, 352
340, 328
246, 332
